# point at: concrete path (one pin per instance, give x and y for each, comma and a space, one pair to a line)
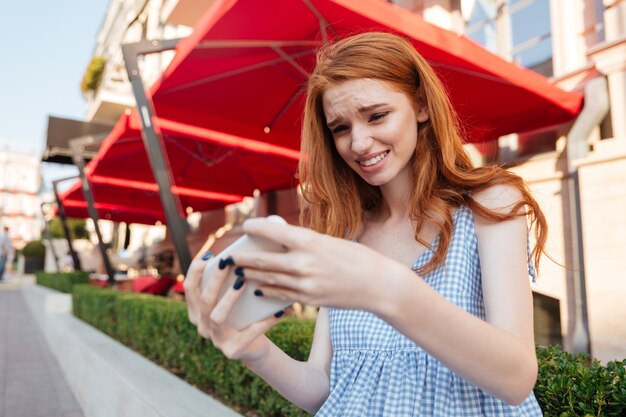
31, 381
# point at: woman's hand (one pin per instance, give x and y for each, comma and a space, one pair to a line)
316, 269
208, 313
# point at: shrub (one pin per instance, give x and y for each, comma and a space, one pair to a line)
77, 228
93, 73
62, 281
34, 249
574, 385
158, 328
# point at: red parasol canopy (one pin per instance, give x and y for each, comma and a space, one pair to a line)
220, 168
209, 169
244, 68
75, 205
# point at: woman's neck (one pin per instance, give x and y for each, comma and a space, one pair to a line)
395, 202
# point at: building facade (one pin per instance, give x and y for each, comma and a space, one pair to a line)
580, 45
20, 181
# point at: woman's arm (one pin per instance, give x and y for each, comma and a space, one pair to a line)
306, 384
497, 355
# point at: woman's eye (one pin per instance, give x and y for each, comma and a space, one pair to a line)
339, 129
378, 116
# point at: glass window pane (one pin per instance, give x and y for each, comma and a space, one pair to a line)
536, 54
481, 26
531, 34
511, 3
530, 21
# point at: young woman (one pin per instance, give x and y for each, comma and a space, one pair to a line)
419, 261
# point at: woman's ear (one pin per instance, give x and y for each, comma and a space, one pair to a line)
422, 114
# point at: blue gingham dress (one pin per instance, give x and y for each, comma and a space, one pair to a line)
376, 371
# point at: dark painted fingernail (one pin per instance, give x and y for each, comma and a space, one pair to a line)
258, 293
239, 271
224, 262
279, 314
207, 255
239, 283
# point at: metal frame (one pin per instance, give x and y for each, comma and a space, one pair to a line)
154, 145
77, 146
581, 341
63, 217
595, 109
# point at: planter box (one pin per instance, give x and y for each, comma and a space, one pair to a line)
107, 378
32, 265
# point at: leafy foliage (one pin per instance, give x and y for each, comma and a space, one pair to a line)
574, 385
61, 281
93, 74
78, 228
34, 249
158, 328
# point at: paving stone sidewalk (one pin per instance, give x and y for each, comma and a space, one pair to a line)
31, 381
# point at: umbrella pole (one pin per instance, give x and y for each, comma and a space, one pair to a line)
153, 142
78, 146
66, 229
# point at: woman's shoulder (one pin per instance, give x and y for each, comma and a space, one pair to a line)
499, 198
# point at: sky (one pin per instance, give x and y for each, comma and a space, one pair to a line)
45, 48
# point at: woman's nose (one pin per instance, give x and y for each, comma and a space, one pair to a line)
361, 140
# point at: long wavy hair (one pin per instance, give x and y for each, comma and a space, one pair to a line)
336, 197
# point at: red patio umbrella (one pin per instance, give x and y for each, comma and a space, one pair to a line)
209, 168
123, 200
244, 68
75, 205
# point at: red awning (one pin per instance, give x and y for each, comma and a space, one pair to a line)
211, 169
218, 167
244, 67
75, 206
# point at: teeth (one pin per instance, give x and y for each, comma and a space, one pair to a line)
373, 160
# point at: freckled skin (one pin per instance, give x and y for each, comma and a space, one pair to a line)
369, 117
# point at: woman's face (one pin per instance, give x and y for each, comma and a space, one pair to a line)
374, 127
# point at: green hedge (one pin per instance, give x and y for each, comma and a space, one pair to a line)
61, 281
574, 385
158, 328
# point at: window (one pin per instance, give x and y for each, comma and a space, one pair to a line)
526, 25
481, 26
599, 27
547, 320
531, 35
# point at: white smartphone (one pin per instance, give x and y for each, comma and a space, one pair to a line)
249, 308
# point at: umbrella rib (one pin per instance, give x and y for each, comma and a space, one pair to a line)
253, 44
320, 18
286, 106
234, 72
205, 161
291, 61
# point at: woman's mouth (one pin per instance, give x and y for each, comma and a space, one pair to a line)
374, 160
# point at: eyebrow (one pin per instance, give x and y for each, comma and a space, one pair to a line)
361, 110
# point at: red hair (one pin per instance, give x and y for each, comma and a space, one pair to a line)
336, 197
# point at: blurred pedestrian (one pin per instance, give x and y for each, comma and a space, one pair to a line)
67, 262
6, 250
